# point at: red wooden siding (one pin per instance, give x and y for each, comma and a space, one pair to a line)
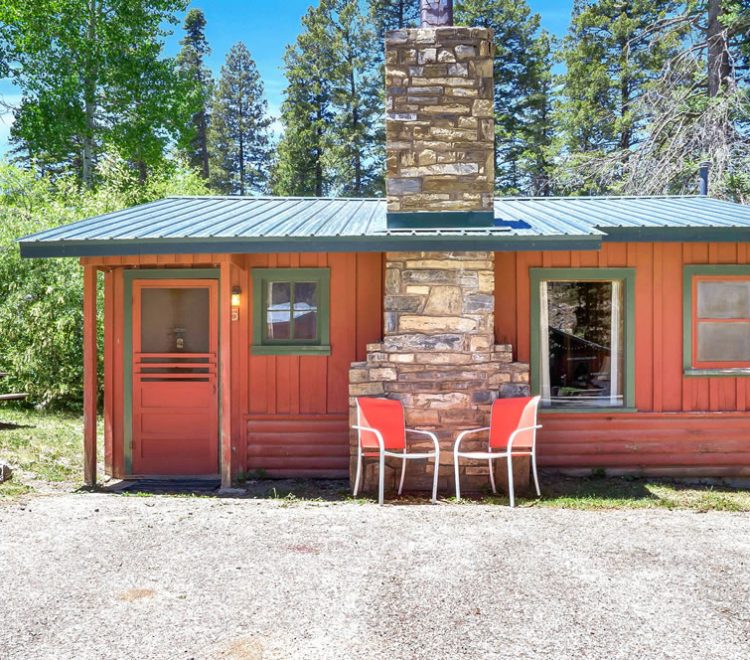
299, 445
289, 414
705, 444
648, 439
297, 406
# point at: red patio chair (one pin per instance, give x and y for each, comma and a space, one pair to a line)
512, 432
382, 432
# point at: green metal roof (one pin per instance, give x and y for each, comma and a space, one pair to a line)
272, 224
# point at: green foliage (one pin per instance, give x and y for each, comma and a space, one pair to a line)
333, 139
93, 80
611, 54
239, 136
307, 111
523, 92
393, 15
41, 319
357, 135
199, 88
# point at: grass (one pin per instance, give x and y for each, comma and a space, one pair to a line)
42, 448
597, 492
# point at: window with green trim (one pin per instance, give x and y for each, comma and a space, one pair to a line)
291, 310
716, 320
582, 332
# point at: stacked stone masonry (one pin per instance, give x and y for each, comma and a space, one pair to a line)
439, 357
439, 124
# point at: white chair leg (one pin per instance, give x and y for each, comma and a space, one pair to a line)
458, 481
536, 476
511, 495
436, 473
381, 485
492, 476
403, 473
359, 471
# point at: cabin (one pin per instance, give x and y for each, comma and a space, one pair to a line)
237, 331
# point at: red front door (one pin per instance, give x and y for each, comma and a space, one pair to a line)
175, 357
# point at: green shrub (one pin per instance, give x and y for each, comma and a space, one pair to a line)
41, 300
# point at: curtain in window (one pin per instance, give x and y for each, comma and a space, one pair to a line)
615, 395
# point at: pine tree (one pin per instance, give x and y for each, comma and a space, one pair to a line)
191, 63
536, 162
239, 135
611, 56
699, 107
393, 15
302, 163
92, 77
357, 133
522, 92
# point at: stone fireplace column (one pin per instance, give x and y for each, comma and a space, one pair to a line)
438, 354
439, 358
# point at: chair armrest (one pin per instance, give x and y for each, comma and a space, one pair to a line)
463, 434
378, 435
521, 430
429, 434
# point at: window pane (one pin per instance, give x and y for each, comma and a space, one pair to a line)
279, 312
723, 300
305, 310
723, 342
585, 349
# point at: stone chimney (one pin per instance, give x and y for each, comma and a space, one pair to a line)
438, 354
440, 129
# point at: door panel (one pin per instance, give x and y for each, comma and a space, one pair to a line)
175, 402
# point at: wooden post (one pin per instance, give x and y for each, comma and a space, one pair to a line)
90, 390
225, 378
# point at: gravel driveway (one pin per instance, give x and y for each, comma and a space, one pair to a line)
106, 576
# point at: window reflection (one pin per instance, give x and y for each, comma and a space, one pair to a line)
582, 353
292, 310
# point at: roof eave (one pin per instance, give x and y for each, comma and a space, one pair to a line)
372, 243
675, 234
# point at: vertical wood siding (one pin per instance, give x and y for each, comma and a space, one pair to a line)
298, 406
289, 413
670, 428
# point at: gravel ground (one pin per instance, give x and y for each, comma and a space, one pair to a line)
106, 576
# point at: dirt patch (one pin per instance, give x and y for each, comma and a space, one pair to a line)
135, 594
242, 649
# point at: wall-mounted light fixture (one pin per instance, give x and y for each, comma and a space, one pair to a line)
236, 299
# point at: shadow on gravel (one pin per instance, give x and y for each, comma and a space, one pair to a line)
281, 490
558, 491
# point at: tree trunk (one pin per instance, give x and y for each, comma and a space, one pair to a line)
242, 148
625, 132
203, 142
142, 171
719, 68
355, 127
319, 151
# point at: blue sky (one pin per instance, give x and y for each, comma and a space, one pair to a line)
266, 27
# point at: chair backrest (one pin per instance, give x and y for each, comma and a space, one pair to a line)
509, 415
385, 415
